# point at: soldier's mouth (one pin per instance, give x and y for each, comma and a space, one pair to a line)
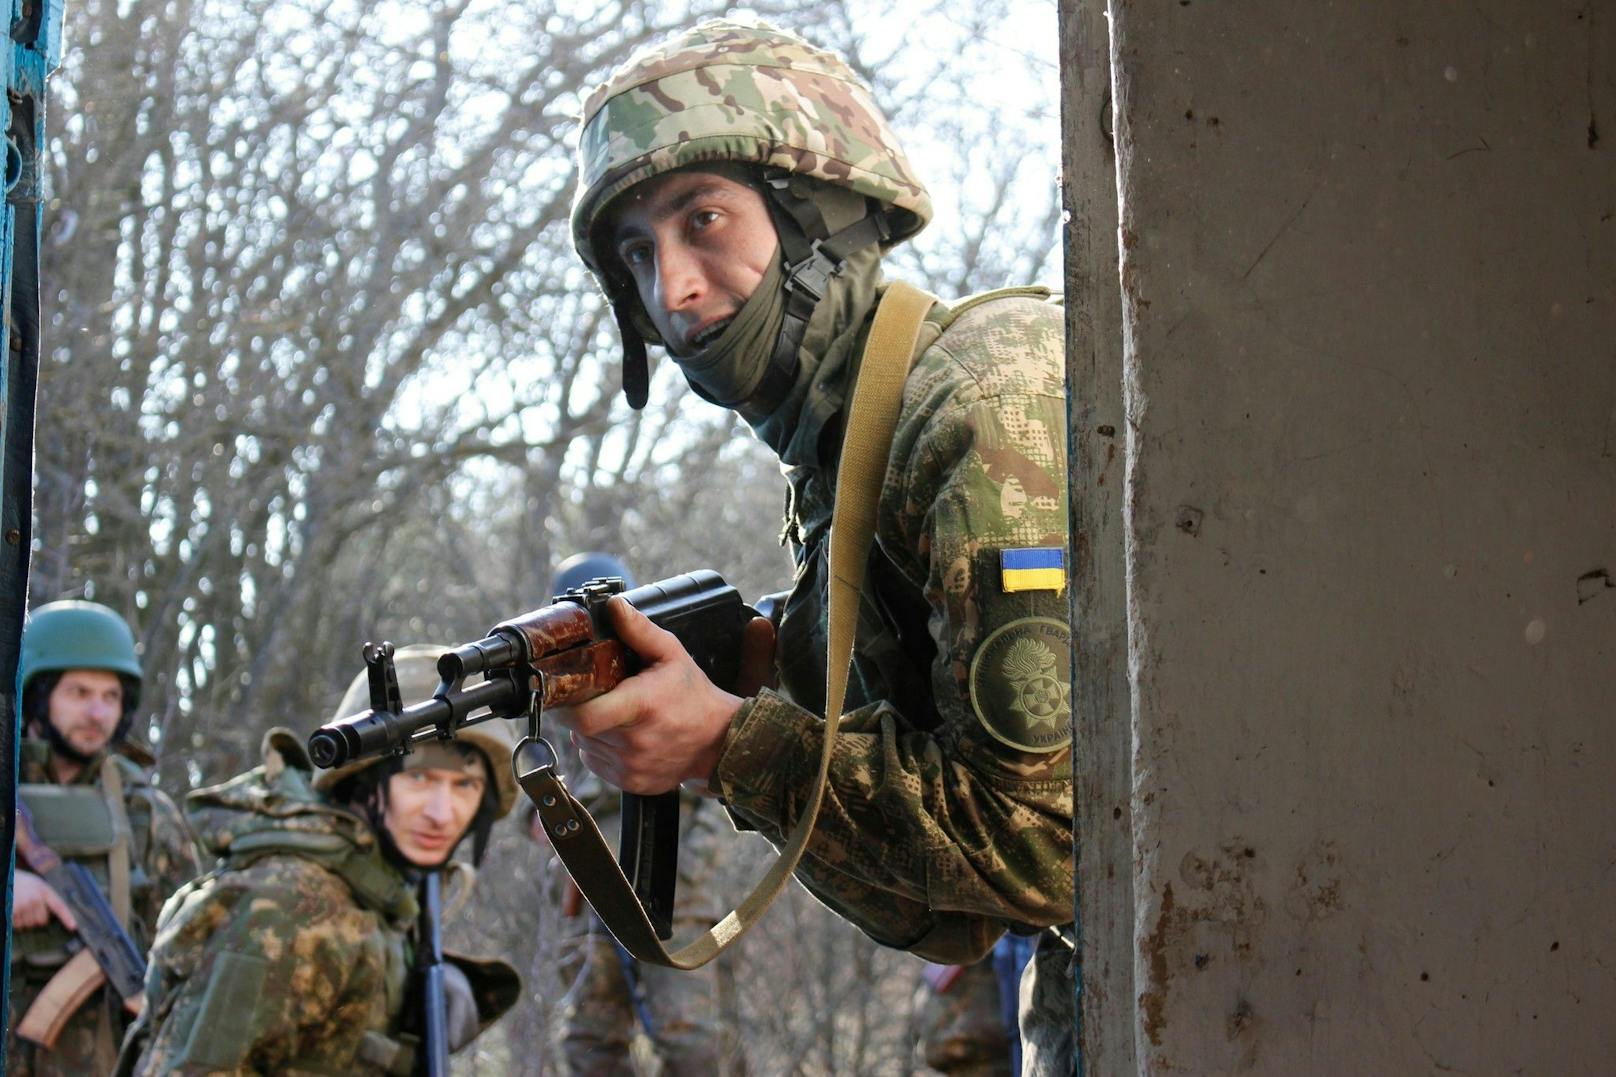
711, 333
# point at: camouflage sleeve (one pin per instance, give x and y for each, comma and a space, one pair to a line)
164, 847
938, 828
257, 969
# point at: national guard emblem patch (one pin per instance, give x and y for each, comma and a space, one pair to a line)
1021, 684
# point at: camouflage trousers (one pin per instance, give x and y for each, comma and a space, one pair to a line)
1049, 1007
679, 1012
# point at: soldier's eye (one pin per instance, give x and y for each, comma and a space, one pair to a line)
634, 255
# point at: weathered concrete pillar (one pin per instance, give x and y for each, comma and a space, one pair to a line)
1368, 351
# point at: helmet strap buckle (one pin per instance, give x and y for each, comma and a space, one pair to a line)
812, 274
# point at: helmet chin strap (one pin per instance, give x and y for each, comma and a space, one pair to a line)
636, 368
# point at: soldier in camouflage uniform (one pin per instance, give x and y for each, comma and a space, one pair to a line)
92, 801
294, 954
610, 993
966, 1014
960, 1023
738, 188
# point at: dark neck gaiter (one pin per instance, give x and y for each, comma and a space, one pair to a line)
729, 372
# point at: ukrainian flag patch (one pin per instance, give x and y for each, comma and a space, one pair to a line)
1038, 568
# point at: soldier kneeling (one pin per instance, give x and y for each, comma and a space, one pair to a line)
294, 953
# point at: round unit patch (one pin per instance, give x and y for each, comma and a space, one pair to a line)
1021, 679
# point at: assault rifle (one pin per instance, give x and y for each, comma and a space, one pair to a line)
108, 955
565, 652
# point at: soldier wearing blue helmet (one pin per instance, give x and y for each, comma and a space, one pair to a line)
92, 800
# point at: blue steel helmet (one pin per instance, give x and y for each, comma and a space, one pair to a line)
580, 568
73, 634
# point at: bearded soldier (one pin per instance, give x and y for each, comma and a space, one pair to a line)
91, 800
294, 954
738, 188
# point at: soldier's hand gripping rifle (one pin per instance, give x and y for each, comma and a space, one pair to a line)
562, 653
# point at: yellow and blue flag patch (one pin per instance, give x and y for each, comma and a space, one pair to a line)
1038, 568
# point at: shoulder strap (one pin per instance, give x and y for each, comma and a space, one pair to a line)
118, 882
865, 448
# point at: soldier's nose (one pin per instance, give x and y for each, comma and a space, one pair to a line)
679, 280
437, 806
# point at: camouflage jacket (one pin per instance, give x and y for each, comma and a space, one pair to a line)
294, 954
948, 812
162, 858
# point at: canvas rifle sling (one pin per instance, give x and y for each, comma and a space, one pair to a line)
866, 445
118, 871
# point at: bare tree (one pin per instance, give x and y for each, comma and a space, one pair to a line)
322, 367
308, 266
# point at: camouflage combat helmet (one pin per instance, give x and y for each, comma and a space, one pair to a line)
417, 667
727, 91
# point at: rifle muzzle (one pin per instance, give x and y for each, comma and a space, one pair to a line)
374, 732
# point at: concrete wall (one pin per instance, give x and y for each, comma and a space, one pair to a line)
1367, 338
1097, 434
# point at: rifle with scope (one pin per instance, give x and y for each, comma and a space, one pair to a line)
558, 654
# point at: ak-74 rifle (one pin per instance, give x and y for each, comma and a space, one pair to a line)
107, 955
562, 653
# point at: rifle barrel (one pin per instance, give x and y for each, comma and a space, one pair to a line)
376, 732
494, 652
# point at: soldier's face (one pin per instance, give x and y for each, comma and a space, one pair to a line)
428, 811
696, 244
85, 707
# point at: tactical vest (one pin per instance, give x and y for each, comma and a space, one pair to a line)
375, 886
89, 824
274, 811
215, 1042
317, 832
